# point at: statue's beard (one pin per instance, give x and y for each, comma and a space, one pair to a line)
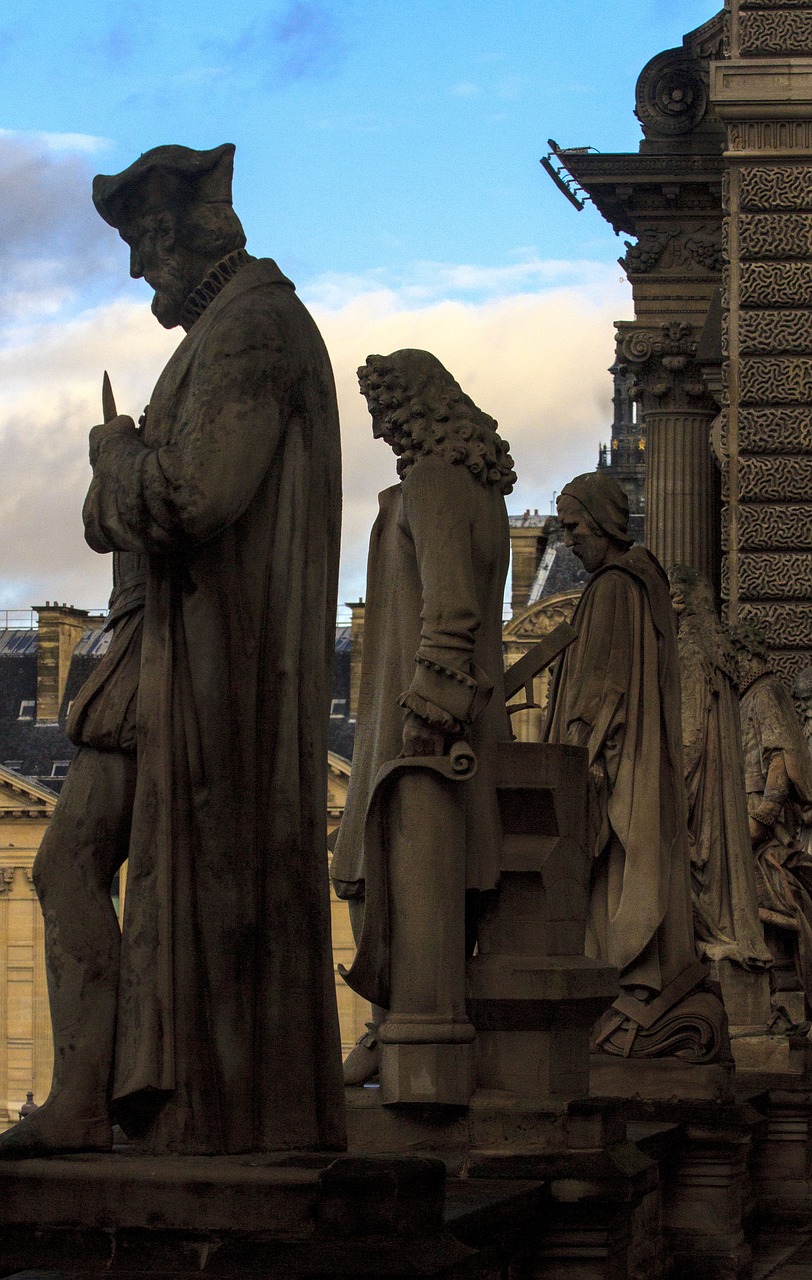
171, 291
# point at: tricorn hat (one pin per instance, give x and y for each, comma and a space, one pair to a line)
164, 178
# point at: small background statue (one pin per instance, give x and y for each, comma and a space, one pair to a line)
723, 881
778, 779
802, 696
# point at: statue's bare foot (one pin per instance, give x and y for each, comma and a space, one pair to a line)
56, 1130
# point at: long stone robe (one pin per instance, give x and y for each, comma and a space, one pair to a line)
616, 691
722, 873
227, 1035
438, 558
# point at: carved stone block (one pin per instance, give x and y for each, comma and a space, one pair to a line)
775, 380
788, 625
767, 332
776, 575
776, 429
779, 526
775, 284
776, 32
773, 479
770, 187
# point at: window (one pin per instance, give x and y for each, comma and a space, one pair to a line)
338, 708
16, 765
59, 768
28, 709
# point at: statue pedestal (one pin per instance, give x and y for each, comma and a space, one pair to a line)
442, 1074
660, 1079
746, 996
533, 1016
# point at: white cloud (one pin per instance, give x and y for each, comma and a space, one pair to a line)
530, 342
536, 359
83, 143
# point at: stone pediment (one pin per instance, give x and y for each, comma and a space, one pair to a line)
541, 618
21, 796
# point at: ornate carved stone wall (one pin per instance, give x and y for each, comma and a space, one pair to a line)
763, 92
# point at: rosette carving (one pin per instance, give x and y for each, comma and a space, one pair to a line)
671, 98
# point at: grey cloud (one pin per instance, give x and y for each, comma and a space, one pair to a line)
49, 229
304, 41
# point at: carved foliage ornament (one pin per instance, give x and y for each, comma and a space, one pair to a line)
671, 98
697, 247
665, 367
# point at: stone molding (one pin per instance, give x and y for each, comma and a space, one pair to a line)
776, 88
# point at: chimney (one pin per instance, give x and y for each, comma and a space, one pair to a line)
59, 630
528, 539
356, 609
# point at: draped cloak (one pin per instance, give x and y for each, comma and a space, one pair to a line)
726, 922
616, 691
227, 1035
438, 558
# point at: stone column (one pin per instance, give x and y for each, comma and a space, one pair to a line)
682, 481
763, 93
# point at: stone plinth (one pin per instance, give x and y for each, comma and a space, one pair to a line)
96, 1216
660, 1079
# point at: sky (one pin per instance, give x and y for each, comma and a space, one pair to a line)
387, 158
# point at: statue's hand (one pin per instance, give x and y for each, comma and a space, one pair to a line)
420, 738
758, 832
100, 433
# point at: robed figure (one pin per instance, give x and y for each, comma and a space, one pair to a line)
616, 692
218, 1030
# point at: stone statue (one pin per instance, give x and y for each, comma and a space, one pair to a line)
209, 1025
725, 904
778, 778
616, 692
432, 672
802, 697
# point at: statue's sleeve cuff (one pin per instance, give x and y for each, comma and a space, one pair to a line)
459, 693
436, 716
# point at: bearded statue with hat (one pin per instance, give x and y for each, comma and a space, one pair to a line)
208, 1024
616, 692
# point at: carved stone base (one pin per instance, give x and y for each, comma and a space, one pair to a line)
533, 1016
746, 996
440, 1074
235, 1218
786, 1055
660, 1078
782, 1163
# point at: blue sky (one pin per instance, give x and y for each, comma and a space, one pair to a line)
387, 157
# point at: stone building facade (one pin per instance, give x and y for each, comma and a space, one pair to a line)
719, 202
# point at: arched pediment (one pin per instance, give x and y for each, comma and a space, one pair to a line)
541, 618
